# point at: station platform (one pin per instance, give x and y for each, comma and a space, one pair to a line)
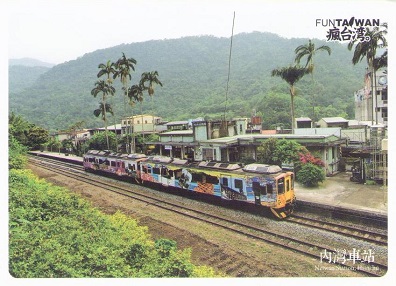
336, 191
339, 191
59, 156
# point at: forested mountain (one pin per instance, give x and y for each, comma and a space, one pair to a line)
29, 62
22, 77
194, 72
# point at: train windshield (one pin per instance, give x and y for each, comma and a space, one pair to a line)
281, 186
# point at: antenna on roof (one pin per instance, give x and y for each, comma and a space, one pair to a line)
229, 68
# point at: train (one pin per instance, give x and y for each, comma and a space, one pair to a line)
261, 184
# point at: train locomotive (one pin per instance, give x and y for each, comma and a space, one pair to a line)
260, 184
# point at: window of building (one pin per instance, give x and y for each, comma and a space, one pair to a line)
208, 154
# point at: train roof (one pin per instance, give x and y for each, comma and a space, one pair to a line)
167, 160
214, 165
262, 168
219, 165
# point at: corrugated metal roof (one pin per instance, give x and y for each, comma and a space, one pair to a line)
334, 119
177, 122
177, 132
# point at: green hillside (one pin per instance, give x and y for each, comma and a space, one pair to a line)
22, 77
193, 71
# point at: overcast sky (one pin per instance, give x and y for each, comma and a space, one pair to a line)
61, 30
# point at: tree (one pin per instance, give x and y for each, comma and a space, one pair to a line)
291, 75
124, 66
102, 87
368, 50
151, 78
99, 141
135, 93
309, 51
278, 151
19, 128
266, 150
108, 69
36, 137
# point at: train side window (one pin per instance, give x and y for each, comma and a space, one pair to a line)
270, 188
224, 181
156, 170
165, 172
112, 163
178, 173
281, 186
238, 185
258, 189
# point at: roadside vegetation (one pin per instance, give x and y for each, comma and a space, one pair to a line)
55, 233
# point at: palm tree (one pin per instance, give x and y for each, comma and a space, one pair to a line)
291, 75
103, 110
368, 50
124, 66
309, 51
109, 69
102, 87
381, 61
151, 78
135, 93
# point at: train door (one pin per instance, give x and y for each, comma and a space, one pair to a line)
257, 190
289, 187
281, 189
225, 181
239, 185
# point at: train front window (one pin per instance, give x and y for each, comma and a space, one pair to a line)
281, 186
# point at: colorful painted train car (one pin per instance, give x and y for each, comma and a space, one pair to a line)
260, 184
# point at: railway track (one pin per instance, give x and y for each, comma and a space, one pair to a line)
377, 238
259, 234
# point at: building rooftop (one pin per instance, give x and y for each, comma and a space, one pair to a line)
177, 122
177, 132
303, 119
254, 137
334, 119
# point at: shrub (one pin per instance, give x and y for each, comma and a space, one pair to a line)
16, 154
310, 175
